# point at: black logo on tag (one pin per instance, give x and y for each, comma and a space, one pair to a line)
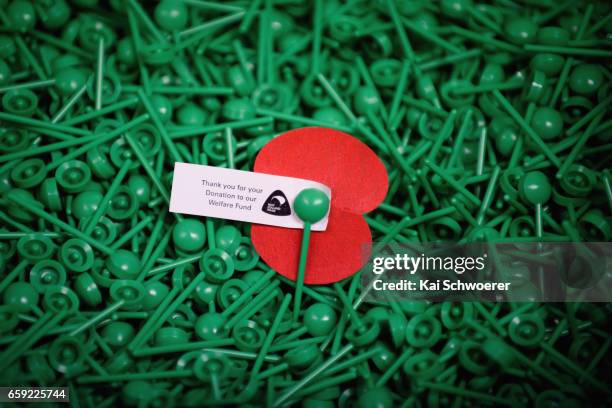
277, 204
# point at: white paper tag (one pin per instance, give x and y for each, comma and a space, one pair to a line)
239, 195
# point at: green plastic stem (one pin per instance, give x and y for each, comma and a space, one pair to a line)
301, 272
312, 375
112, 189
85, 325
270, 336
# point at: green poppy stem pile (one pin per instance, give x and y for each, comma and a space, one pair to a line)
492, 119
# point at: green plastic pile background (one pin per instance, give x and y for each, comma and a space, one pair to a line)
493, 121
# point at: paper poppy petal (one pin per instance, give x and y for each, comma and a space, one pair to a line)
333, 255
356, 176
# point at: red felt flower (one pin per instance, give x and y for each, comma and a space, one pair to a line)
358, 182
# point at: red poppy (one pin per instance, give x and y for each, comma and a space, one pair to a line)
358, 182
